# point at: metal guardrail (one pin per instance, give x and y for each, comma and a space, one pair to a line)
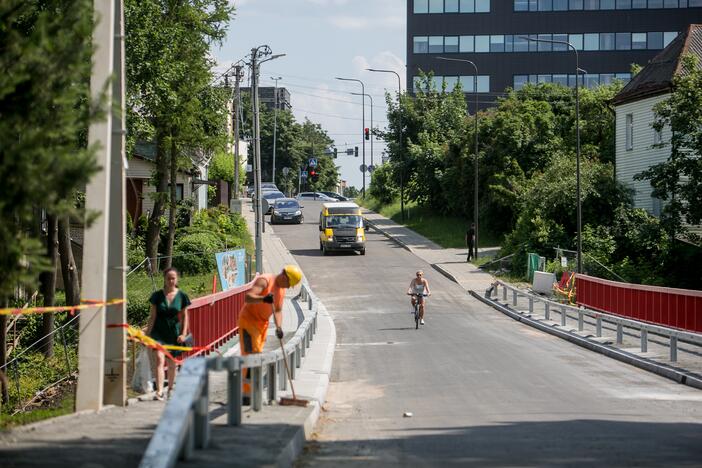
184, 425
549, 306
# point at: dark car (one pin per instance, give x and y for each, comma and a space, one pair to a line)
268, 198
336, 196
287, 210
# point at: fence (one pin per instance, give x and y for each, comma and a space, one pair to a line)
214, 319
185, 425
670, 307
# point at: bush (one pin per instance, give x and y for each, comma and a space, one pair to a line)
194, 253
135, 251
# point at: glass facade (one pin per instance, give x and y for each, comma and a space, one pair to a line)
579, 5
466, 82
516, 43
451, 6
589, 80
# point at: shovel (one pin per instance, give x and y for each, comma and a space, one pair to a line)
286, 401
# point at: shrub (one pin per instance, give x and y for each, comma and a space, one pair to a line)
194, 253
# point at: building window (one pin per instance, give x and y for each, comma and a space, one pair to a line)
436, 44
482, 6
466, 44
451, 82
520, 81
179, 191
629, 132
655, 40
436, 6
521, 5
560, 5
497, 43
451, 44
483, 84
623, 4
482, 43
576, 40
451, 6
638, 41
545, 5
467, 84
421, 44
592, 5
623, 41
606, 4
668, 38
655, 3
467, 6
606, 41
592, 41
638, 4
421, 6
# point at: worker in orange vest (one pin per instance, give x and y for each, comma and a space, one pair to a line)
263, 300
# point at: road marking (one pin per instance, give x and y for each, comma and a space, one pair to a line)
377, 343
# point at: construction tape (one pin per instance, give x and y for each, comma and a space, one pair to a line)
138, 335
86, 304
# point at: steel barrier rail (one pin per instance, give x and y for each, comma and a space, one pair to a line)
673, 334
214, 319
184, 425
670, 307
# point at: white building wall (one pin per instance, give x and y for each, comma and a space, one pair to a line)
144, 169
642, 155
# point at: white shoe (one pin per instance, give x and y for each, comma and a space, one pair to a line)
421, 321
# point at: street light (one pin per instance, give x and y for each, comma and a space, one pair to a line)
256, 54
577, 139
275, 120
475, 182
371, 127
399, 131
363, 140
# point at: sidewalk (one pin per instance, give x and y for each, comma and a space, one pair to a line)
273, 436
449, 262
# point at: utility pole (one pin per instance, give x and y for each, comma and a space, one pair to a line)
238, 74
275, 122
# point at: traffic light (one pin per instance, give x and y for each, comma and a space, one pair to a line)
355, 151
366, 132
335, 153
313, 175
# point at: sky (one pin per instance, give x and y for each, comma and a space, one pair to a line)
324, 39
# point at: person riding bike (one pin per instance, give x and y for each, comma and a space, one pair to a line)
418, 289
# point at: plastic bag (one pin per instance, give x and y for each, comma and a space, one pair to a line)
142, 378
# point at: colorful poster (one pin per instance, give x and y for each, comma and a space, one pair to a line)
231, 266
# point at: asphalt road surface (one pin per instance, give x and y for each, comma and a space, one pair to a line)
483, 390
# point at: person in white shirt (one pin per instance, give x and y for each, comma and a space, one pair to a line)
419, 289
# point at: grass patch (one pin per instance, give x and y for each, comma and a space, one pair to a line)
64, 405
447, 231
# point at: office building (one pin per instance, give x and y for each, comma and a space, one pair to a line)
609, 35
266, 95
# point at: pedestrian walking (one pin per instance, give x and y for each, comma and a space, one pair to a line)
169, 325
470, 241
263, 300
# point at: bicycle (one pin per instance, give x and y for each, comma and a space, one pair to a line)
416, 308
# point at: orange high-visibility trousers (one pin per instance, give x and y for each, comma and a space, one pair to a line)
252, 340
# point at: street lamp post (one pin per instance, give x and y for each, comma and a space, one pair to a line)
256, 54
363, 140
275, 121
577, 140
475, 182
399, 131
371, 124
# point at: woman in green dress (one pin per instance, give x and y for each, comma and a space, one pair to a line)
169, 325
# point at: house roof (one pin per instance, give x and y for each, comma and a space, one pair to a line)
657, 76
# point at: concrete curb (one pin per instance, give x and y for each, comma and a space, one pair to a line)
389, 236
614, 353
444, 272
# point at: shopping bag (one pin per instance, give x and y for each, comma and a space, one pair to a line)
142, 378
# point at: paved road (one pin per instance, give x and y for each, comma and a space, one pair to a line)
483, 390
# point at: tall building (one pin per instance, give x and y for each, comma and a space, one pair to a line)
266, 95
609, 35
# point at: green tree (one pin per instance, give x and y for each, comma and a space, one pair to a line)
678, 181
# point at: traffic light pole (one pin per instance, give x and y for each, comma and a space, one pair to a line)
363, 143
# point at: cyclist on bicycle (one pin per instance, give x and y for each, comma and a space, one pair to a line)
418, 289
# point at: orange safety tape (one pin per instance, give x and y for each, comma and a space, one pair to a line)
86, 304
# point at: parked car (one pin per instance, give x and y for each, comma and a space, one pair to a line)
287, 210
268, 199
318, 196
335, 196
265, 187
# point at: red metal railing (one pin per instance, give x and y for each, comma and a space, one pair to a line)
679, 308
214, 319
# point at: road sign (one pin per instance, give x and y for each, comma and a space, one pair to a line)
312, 162
303, 174
286, 171
371, 168
363, 168
349, 151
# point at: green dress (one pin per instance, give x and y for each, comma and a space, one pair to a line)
167, 326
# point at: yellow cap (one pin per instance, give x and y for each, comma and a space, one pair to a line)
293, 273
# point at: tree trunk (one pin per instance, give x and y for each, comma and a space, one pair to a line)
47, 282
172, 205
69, 272
161, 180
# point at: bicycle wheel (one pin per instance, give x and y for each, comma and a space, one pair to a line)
416, 316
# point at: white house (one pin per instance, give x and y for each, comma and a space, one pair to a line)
636, 141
